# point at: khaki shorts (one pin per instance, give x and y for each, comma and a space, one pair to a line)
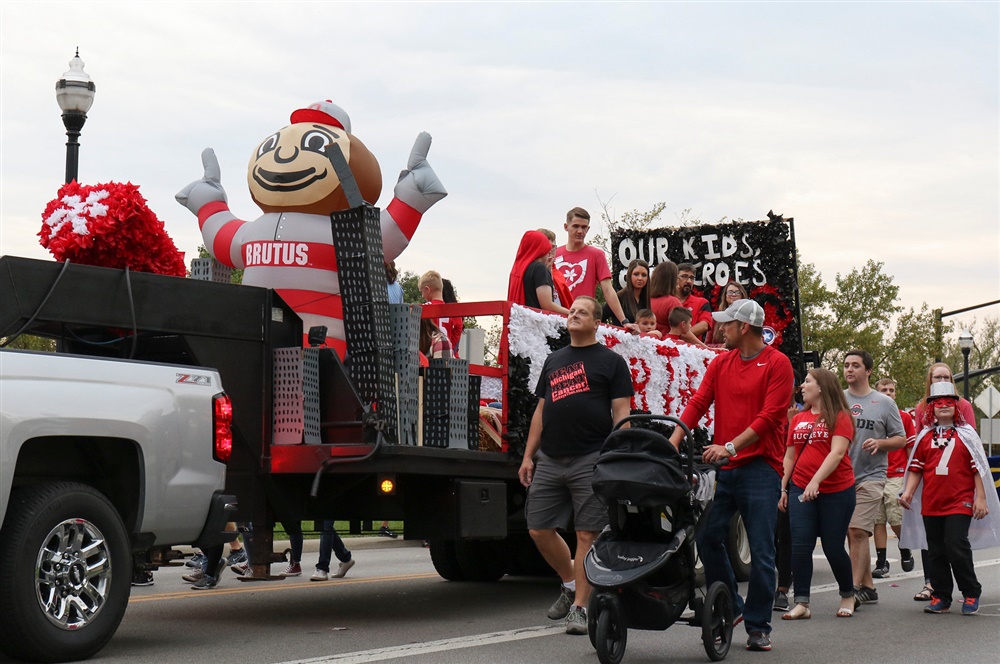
869, 499
889, 510
560, 490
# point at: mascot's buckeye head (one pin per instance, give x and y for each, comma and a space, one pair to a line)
291, 172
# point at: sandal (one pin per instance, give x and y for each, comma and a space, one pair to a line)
845, 613
925, 594
796, 614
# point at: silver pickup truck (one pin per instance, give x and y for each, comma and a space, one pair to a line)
100, 460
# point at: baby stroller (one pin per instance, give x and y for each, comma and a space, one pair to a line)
642, 566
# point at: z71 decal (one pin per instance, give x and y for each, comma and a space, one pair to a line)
194, 379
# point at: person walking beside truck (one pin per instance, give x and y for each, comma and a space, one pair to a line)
583, 390
878, 428
751, 387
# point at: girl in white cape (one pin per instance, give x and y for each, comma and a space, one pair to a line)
946, 483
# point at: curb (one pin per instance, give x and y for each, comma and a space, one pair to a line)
353, 543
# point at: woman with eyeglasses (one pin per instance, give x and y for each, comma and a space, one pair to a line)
733, 291
939, 372
634, 296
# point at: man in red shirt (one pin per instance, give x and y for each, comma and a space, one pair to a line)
751, 387
584, 266
701, 310
889, 511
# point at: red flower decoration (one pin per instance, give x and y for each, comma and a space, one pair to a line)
108, 225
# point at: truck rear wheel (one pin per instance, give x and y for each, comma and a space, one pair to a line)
470, 560
738, 547
483, 560
65, 556
445, 560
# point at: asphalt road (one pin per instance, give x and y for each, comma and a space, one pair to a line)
393, 607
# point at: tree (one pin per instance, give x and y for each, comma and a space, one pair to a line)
863, 312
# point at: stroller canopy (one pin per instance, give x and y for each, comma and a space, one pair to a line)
639, 467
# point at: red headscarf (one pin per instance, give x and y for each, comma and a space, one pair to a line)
534, 245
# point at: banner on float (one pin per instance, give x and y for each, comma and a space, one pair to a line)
760, 255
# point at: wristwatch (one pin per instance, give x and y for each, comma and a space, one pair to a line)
731, 449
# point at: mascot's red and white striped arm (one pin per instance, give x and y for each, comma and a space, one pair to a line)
290, 250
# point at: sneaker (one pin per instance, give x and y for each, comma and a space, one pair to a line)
938, 605
385, 532
194, 576
142, 578
759, 641
780, 601
206, 582
881, 571
320, 575
236, 557
560, 609
906, 562
196, 561
242, 570
342, 569
970, 606
576, 620
866, 595
294, 569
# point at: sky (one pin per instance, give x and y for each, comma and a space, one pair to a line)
874, 125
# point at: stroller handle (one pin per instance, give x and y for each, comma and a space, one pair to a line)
665, 418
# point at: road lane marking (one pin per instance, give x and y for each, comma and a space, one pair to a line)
269, 586
458, 643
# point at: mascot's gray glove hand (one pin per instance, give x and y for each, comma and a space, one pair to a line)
206, 190
419, 186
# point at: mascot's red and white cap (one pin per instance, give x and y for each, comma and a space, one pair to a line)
323, 112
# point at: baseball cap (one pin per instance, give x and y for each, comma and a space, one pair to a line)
745, 311
323, 112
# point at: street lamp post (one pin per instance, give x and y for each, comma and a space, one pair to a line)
965, 343
75, 94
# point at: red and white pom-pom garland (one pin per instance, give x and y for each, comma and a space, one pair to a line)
665, 375
108, 225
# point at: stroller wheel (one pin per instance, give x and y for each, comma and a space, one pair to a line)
593, 611
717, 622
611, 633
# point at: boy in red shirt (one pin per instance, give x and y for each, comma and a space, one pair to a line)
431, 287
948, 460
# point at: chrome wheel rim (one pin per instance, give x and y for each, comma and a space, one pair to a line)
73, 574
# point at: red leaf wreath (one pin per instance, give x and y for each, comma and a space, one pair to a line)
108, 225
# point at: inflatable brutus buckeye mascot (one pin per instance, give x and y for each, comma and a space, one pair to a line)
290, 247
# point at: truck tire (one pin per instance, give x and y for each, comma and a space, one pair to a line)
483, 560
65, 613
445, 560
738, 546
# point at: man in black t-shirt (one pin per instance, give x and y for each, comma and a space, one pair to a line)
583, 390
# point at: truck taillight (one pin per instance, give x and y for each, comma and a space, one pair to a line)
222, 420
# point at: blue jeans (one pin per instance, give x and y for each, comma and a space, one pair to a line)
752, 490
826, 517
330, 542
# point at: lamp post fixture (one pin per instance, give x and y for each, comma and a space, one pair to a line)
75, 94
965, 343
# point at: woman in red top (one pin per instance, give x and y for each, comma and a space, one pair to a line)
663, 294
818, 489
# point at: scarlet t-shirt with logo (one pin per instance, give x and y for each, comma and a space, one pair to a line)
898, 458
811, 439
583, 269
948, 473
